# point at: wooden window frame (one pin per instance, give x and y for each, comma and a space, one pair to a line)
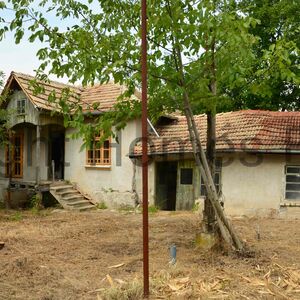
13, 163
21, 106
99, 152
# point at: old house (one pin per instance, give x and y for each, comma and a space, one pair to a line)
257, 170
42, 150
257, 167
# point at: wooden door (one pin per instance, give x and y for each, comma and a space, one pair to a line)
16, 151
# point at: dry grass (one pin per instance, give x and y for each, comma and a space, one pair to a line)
277, 283
65, 255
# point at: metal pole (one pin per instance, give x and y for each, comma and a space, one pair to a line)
144, 150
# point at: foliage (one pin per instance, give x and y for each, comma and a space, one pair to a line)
100, 41
1, 80
101, 205
275, 82
103, 43
36, 202
153, 209
17, 216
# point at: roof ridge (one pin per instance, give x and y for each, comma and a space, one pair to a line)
20, 74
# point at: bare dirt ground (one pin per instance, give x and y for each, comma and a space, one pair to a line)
98, 255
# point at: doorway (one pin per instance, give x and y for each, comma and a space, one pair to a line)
166, 185
14, 153
57, 154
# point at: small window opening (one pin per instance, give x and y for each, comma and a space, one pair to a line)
186, 176
21, 106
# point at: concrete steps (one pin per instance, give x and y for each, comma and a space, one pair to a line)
70, 198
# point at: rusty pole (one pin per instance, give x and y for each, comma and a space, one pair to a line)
144, 150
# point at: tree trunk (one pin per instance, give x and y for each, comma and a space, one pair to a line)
209, 214
226, 230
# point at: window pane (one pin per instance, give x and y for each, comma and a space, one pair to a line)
186, 176
293, 178
218, 164
294, 170
21, 106
292, 195
293, 187
106, 144
106, 153
217, 178
217, 182
97, 153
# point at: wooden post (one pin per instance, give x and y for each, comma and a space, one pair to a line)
38, 155
53, 170
9, 168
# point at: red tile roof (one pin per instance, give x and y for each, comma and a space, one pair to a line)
248, 130
106, 94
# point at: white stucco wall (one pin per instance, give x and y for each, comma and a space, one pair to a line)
112, 185
251, 188
151, 182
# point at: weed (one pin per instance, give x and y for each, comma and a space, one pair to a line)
126, 208
101, 205
17, 216
2, 204
132, 290
36, 203
153, 209
196, 207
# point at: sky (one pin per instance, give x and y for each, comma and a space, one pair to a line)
19, 58
22, 57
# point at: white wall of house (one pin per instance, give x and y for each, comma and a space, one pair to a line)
151, 182
252, 184
111, 184
255, 185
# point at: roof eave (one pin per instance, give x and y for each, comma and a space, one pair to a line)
261, 151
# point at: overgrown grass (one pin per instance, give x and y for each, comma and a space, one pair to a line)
17, 216
126, 208
153, 209
101, 205
196, 207
132, 290
36, 203
2, 204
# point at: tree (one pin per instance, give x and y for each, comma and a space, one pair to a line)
1, 79
199, 51
275, 81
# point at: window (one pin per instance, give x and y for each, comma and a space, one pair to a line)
186, 176
16, 150
217, 179
21, 106
292, 182
99, 154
